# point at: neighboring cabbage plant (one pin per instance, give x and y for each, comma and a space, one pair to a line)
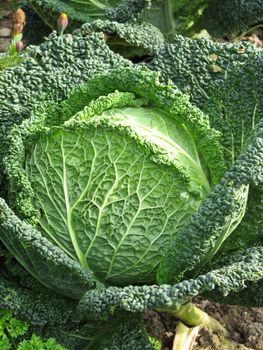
231, 18
175, 16
215, 18
86, 11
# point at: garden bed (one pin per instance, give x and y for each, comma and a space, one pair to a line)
244, 324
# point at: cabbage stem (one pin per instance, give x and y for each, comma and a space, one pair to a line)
193, 316
184, 337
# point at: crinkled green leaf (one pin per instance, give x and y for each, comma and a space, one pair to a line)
239, 269
83, 193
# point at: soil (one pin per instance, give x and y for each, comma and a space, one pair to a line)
244, 324
255, 38
34, 30
5, 28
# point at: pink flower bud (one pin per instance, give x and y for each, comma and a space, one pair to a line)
19, 46
62, 22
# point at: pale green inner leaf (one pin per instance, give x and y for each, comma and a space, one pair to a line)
108, 198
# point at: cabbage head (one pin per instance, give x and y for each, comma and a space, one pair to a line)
113, 173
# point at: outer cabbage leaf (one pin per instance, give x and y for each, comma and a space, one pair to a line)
135, 41
222, 80
46, 262
217, 77
250, 296
53, 316
217, 217
240, 268
128, 10
124, 331
39, 309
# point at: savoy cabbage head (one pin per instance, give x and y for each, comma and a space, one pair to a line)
112, 180
197, 215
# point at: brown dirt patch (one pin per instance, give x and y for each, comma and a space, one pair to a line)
244, 324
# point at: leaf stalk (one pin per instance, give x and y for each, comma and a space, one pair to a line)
191, 315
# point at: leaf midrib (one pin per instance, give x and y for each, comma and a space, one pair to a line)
68, 209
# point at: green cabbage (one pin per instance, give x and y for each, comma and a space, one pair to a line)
112, 185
